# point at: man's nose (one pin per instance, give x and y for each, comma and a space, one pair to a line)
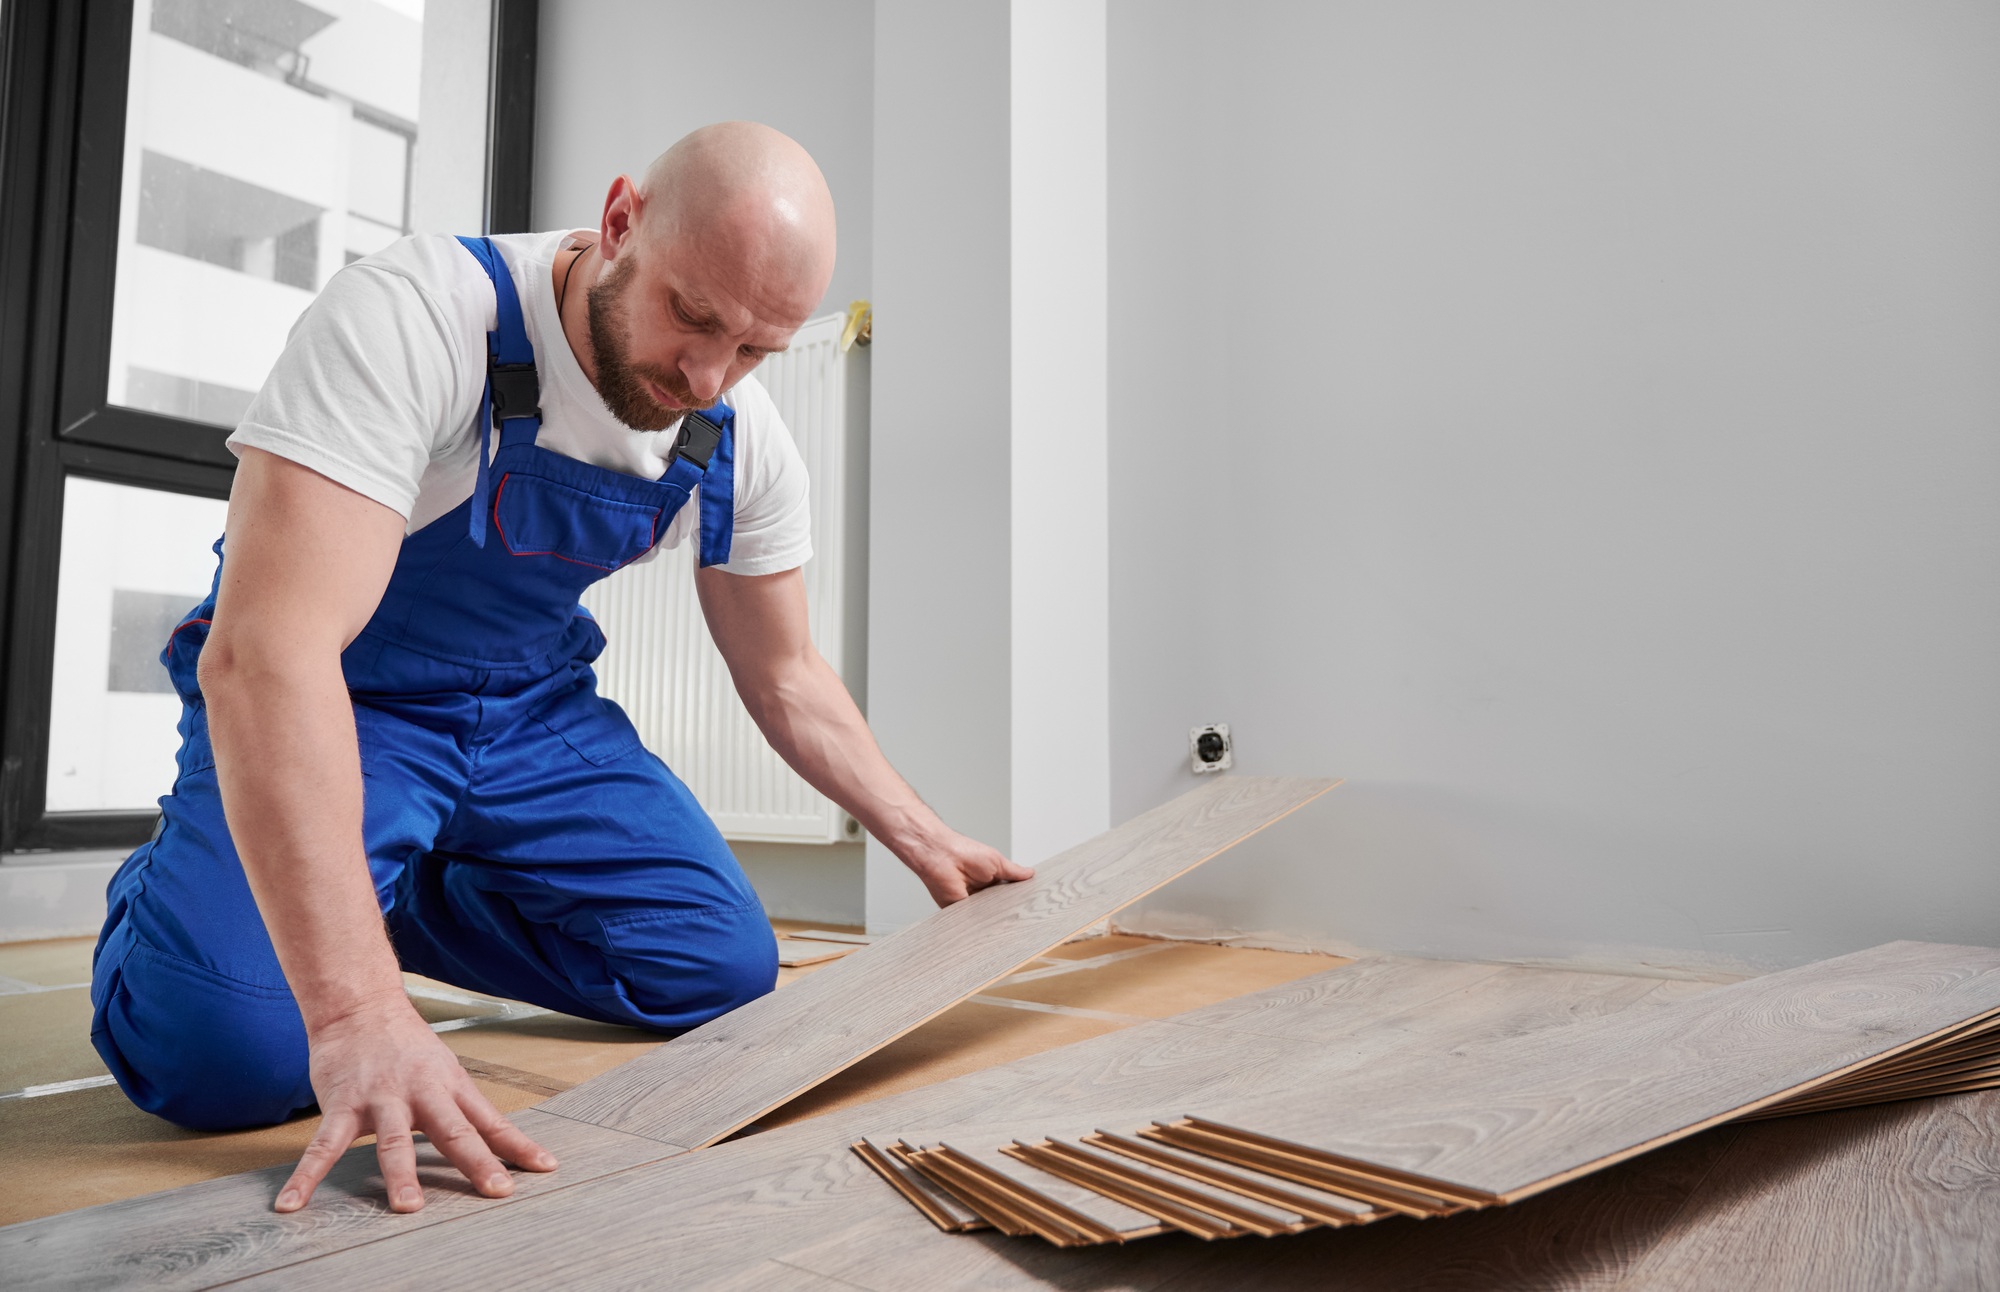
705, 371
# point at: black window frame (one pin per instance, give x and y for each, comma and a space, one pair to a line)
64, 71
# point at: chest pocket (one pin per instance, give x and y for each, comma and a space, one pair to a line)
542, 517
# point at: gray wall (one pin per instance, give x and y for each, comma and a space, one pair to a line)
617, 81
1579, 425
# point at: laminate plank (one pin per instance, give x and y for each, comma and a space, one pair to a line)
939, 1206
1905, 1196
703, 1085
796, 953
776, 1276
208, 1233
1508, 1117
688, 1218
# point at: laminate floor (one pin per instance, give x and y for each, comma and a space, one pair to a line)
706, 1217
1759, 1205
88, 1147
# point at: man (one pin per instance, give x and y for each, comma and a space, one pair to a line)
389, 713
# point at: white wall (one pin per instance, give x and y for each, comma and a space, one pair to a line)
989, 585
617, 81
939, 686
1060, 579
1579, 425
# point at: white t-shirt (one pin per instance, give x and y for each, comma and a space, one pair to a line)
379, 384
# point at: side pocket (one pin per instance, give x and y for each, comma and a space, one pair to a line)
595, 728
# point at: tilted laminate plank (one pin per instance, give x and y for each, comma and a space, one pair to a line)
207, 1233
687, 1218
703, 1085
1901, 1196
1511, 1116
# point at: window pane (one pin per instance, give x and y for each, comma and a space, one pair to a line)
134, 562
267, 144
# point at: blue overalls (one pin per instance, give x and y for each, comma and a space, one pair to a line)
521, 841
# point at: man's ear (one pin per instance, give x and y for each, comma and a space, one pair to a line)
623, 207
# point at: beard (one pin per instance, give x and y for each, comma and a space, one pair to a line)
621, 383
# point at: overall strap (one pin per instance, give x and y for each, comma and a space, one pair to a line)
512, 398
705, 455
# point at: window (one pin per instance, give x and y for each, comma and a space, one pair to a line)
178, 178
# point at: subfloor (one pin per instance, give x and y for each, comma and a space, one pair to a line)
71, 1140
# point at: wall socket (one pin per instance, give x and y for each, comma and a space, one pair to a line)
1210, 749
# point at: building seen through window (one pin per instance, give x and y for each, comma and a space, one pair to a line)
268, 144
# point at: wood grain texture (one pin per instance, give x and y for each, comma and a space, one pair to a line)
688, 1218
1584, 1237
776, 1276
1506, 1117
1898, 1197
209, 1233
707, 1083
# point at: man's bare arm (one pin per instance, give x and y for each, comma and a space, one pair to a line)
798, 701
306, 561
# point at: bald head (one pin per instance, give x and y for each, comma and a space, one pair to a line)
706, 265
747, 196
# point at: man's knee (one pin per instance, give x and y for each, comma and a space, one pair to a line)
196, 1048
679, 969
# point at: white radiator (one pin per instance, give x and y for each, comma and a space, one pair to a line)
661, 666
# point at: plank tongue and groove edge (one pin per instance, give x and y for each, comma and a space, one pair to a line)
707, 1083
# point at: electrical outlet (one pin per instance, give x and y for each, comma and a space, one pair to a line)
1210, 749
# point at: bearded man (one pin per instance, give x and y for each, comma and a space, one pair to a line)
393, 752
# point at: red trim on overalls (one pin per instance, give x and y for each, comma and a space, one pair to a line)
652, 539
177, 632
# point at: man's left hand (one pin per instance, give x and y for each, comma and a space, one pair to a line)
953, 867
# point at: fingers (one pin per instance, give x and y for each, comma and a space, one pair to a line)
465, 1148
947, 887
396, 1151
338, 1130
504, 1137
1014, 872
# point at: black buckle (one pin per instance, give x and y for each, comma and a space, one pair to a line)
698, 440
517, 390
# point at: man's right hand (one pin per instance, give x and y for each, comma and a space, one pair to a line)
382, 1071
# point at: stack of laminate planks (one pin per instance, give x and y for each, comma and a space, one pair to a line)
1332, 1143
